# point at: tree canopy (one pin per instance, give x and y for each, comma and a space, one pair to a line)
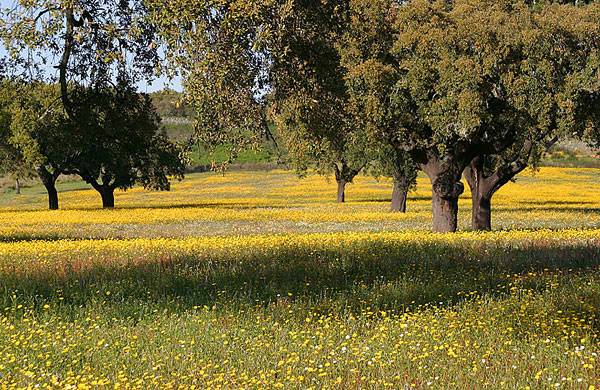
88, 41
117, 142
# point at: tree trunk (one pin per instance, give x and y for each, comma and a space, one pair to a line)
445, 213
341, 191
52, 196
482, 213
399, 195
49, 181
446, 188
108, 197
17, 186
482, 189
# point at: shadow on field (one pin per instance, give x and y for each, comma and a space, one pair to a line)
375, 274
555, 202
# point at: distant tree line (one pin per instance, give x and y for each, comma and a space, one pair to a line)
478, 89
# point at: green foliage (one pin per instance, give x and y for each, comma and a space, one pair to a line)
217, 47
203, 156
116, 141
309, 101
371, 76
33, 116
90, 42
171, 104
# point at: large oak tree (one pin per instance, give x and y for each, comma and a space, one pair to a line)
560, 100
117, 142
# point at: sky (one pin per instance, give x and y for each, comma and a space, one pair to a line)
156, 85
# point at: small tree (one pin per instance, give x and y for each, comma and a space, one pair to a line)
34, 118
389, 162
116, 142
310, 100
370, 78
11, 160
319, 135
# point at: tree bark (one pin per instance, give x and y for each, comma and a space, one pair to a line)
52, 197
482, 190
108, 197
483, 187
446, 188
445, 213
481, 218
49, 181
341, 191
399, 195
17, 186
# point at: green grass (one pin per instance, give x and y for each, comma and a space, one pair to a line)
201, 156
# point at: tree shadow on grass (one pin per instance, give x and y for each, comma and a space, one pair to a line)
377, 275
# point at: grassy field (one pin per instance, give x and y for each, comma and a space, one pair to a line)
259, 280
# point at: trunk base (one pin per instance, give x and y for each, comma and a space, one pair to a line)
341, 191
52, 197
445, 213
482, 213
399, 195
108, 198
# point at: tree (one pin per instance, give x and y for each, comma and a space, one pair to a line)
218, 48
89, 42
320, 135
310, 100
370, 78
11, 160
461, 79
562, 51
389, 162
33, 119
116, 142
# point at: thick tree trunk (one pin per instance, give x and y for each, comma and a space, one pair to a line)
341, 191
108, 197
17, 186
399, 195
445, 213
446, 188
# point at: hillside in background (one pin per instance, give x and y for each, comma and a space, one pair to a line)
179, 125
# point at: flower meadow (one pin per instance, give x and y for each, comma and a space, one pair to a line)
259, 280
